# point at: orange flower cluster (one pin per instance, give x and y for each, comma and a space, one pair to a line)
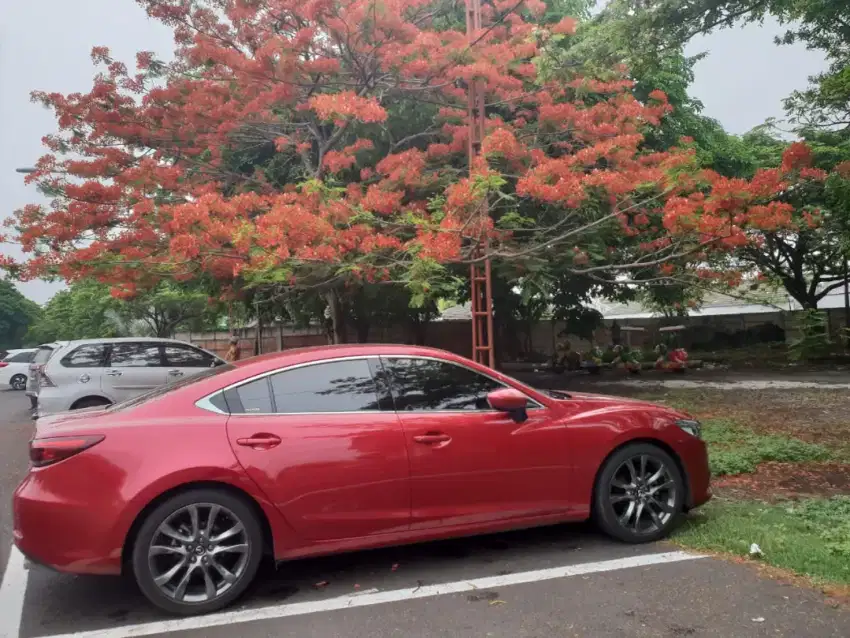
148, 187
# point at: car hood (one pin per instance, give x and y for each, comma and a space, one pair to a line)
605, 402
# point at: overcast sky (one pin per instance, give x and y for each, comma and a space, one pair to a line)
45, 44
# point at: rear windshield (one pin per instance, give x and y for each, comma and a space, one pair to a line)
42, 354
165, 389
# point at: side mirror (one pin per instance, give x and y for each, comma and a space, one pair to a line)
511, 401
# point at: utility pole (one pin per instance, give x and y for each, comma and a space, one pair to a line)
480, 275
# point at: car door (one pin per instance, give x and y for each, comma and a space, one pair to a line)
133, 368
81, 368
183, 360
324, 444
470, 464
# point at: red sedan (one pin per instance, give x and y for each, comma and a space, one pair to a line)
332, 449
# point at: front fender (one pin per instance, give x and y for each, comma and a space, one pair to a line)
595, 434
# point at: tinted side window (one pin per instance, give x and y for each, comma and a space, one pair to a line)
21, 357
254, 397
135, 355
425, 384
186, 357
91, 356
336, 386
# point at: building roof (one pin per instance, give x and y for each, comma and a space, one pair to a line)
714, 304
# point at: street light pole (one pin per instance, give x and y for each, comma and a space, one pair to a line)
480, 276
25, 170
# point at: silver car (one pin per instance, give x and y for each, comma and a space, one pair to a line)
99, 372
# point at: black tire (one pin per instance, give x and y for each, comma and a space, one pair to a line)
202, 497
18, 382
92, 402
609, 514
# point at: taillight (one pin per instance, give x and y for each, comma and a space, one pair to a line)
49, 451
43, 380
3, 364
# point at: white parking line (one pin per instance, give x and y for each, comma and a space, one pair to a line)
12, 594
366, 598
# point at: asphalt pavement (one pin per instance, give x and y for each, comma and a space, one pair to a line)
562, 581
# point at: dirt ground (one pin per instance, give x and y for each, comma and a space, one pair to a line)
773, 482
814, 415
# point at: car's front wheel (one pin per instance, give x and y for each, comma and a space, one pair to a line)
639, 494
197, 551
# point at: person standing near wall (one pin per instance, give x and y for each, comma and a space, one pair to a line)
234, 352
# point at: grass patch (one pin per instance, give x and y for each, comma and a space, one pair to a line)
734, 449
809, 537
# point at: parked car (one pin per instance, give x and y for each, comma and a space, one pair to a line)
319, 450
92, 373
14, 368
41, 356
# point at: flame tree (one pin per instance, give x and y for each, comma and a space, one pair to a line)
307, 143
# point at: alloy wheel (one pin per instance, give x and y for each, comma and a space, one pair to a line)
198, 553
19, 382
642, 492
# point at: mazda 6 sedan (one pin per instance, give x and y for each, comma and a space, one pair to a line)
333, 449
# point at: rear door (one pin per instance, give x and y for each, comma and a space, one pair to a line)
183, 360
324, 444
42, 356
133, 368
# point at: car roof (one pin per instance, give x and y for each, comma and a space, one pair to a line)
78, 342
317, 353
19, 350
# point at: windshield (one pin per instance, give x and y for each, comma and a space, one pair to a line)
165, 389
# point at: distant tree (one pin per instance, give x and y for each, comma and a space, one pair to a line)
88, 310
17, 313
821, 25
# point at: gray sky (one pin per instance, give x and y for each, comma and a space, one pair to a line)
45, 44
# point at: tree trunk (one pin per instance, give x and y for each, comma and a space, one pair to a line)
362, 331
846, 298
419, 330
338, 333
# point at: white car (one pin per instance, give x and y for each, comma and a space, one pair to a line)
14, 368
99, 372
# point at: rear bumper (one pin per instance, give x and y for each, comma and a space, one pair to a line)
48, 402
61, 534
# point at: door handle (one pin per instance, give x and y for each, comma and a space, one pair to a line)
260, 441
175, 373
432, 437
114, 373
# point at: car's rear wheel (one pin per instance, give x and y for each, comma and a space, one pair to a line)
18, 382
197, 551
91, 402
639, 494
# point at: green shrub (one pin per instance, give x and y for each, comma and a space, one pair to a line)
733, 449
